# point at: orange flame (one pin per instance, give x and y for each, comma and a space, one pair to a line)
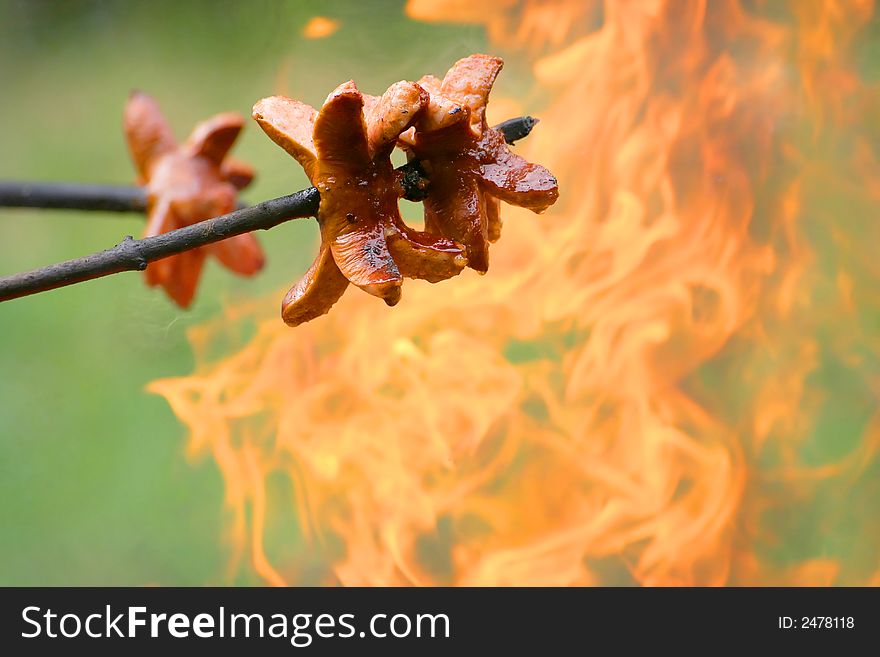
320, 27
633, 392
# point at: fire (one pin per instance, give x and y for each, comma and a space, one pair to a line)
633, 394
320, 27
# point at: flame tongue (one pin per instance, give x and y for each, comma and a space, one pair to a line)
630, 395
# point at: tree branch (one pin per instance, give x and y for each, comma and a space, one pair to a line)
133, 255
71, 196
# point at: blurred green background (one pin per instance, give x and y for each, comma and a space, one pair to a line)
94, 485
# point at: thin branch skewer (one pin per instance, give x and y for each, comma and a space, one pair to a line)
75, 196
72, 196
134, 255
